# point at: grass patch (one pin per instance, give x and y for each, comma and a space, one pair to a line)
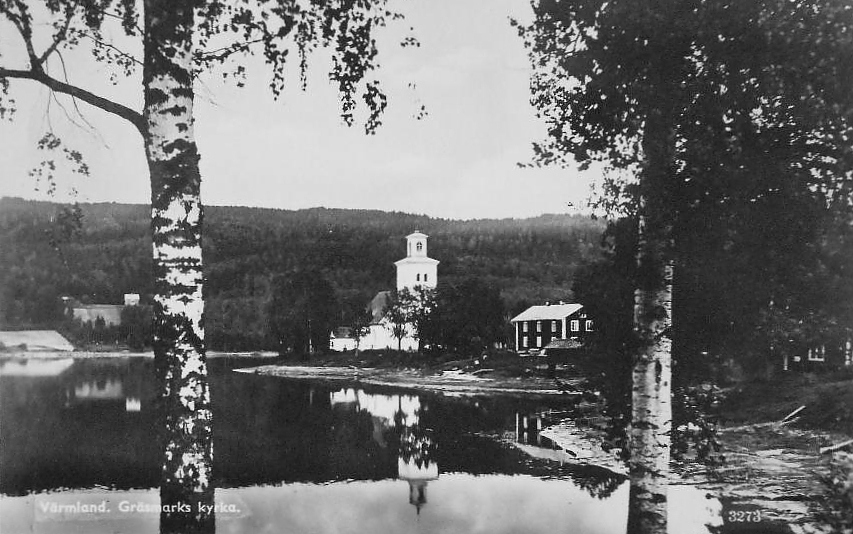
828, 399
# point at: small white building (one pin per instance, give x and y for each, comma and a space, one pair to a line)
109, 313
341, 339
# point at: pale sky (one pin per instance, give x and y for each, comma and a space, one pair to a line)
471, 73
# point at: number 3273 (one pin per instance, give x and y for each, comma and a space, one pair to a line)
743, 516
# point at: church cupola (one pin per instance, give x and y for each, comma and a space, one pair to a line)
417, 245
416, 269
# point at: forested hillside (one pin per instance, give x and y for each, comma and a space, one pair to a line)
46, 252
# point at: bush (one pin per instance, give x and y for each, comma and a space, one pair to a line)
836, 509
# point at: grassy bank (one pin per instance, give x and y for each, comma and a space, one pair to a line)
828, 401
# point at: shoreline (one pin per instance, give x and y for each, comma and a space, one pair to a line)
454, 382
85, 354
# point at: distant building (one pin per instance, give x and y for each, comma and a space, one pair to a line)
417, 269
832, 353
110, 313
537, 326
341, 339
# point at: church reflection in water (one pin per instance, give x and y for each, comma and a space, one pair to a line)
397, 421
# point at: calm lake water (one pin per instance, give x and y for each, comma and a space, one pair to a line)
78, 453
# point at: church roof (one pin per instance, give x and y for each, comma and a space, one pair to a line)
342, 332
379, 304
553, 312
416, 233
417, 259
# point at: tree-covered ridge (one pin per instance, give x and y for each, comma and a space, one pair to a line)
529, 260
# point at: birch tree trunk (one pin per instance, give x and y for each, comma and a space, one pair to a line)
186, 492
651, 399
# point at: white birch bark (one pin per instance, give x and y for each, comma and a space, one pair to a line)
176, 214
651, 406
651, 399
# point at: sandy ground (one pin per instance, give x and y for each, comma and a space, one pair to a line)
446, 381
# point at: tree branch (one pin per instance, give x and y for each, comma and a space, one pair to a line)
118, 17
74, 100
60, 36
22, 23
111, 46
221, 54
35, 74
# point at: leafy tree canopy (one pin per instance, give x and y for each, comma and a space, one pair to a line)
734, 77
225, 33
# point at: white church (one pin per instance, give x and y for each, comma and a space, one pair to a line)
416, 269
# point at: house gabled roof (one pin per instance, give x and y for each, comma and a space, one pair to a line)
554, 312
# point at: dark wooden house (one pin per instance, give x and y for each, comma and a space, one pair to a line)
537, 326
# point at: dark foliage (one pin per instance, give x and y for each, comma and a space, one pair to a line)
468, 317
301, 312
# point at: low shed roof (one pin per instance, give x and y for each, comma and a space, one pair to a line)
553, 312
41, 340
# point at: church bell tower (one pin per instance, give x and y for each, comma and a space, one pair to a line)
416, 269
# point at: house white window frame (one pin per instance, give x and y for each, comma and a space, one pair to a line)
588, 325
554, 326
525, 326
817, 354
576, 325
538, 342
538, 326
524, 342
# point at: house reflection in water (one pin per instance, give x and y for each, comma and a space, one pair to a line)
99, 389
111, 386
527, 428
396, 418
